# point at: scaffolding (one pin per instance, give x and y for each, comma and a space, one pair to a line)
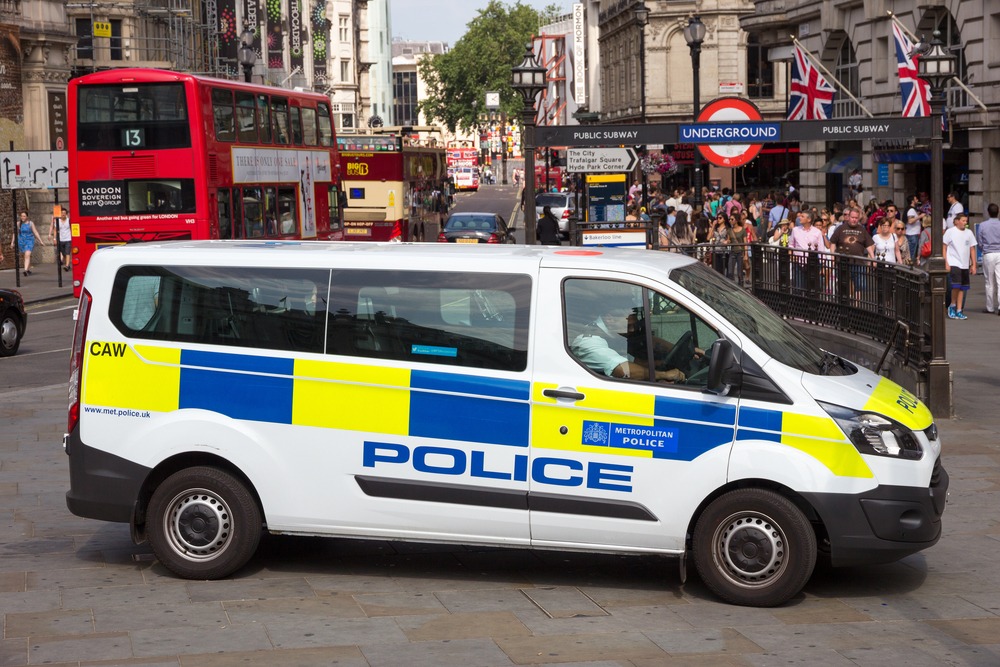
178, 35
551, 52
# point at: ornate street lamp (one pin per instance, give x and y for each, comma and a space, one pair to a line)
641, 12
694, 34
246, 55
936, 66
528, 81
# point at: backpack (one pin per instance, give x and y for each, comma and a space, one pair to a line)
925, 247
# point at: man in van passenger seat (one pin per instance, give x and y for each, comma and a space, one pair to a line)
602, 347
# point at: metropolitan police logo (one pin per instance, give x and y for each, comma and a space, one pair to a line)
595, 433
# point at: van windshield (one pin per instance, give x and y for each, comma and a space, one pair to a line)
758, 322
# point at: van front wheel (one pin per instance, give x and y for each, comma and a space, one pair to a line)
203, 523
754, 547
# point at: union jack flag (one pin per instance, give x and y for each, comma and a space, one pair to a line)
811, 95
915, 91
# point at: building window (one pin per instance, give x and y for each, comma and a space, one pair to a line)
882, 58
404, 94
846, 72
760, 70
116, 39
345, 71
344, 26
85, 45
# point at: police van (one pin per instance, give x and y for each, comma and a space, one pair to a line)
603, 400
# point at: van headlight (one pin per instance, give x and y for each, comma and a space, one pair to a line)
872, 433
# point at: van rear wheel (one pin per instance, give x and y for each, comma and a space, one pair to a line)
754, 547
203, 523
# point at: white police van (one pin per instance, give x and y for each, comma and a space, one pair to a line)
491, 396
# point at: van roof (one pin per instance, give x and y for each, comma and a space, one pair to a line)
394, 255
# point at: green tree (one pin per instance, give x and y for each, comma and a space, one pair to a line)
480, 61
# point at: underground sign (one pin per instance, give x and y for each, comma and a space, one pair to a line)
727, 110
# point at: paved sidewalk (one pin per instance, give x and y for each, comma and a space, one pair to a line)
41, 285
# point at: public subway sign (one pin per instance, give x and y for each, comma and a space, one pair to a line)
854, 129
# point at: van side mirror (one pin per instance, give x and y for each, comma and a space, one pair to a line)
721, 360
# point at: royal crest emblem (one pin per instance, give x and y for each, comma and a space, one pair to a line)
595, 434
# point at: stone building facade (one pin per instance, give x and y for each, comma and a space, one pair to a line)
854, 41
669, 93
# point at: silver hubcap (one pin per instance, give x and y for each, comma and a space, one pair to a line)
8, 333
750, 549
198, 525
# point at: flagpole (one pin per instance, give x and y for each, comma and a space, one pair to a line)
958, 81
832, 77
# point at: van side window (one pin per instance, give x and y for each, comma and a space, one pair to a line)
624, 331
222, 112
477, 320
276, 309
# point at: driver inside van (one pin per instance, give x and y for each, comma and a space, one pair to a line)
612, 343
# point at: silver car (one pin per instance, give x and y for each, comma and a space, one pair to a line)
563, 206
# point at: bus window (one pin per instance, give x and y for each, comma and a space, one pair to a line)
162, 196
279, 108
296, 127
309, 126
253, 212
225, 214
325, 125
271, 211
222, 112
246, 123
288, 211
332, 201
133, 116
264, 119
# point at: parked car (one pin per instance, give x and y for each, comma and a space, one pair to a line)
563, 206
13, 322
475, 228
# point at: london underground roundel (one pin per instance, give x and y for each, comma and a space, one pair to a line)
729, 109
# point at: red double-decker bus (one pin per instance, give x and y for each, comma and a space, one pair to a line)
463, 168
393, 185
157, 156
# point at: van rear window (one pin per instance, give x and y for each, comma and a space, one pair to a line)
276, 309
479, 320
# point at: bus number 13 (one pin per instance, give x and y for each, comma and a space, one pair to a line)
134, 138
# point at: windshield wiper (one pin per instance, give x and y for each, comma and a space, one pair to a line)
828, 361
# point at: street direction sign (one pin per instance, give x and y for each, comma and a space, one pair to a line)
600, 160
34, 170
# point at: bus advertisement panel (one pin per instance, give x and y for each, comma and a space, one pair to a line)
393, 187
159, 156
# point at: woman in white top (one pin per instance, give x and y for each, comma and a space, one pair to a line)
886, 242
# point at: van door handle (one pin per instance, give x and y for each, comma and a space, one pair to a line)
560, 393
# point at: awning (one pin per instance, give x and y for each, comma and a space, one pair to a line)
842, 164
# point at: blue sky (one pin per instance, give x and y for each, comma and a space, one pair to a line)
444, 20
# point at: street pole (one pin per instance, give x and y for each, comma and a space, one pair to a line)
503, 144
548, 163
642, 104
696, 65
939, 371
528, 141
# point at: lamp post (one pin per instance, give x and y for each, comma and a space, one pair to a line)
528, 81
936, 66
694, 34
246, 55
641, 12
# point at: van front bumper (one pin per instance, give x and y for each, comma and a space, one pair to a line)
102, 486
884, 524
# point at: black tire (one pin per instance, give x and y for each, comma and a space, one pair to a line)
203, 523
10, 333
754, 547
